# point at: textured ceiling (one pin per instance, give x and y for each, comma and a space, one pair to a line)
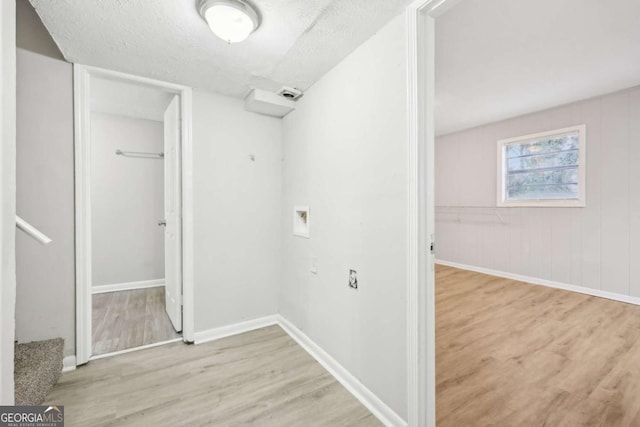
297, 42
503, 58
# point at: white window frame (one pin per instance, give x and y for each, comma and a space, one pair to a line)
501, 177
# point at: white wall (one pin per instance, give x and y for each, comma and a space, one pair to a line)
345, 157
45, 198
595, 247
127, 200
8, 197
237, 211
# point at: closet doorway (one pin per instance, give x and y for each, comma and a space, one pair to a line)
132, 218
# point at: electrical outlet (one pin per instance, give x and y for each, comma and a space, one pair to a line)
314, 265
353, 279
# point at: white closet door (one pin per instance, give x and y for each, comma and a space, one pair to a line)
172, 212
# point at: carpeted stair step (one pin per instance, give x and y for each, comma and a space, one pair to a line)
38, 366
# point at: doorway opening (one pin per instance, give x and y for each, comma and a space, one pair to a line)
133, 216
522, 131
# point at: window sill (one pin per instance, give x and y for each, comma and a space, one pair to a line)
542, 204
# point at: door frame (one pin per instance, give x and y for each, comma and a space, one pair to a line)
421, 358
82, 133
8, 197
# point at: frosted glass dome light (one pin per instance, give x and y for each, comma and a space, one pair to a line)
231, 20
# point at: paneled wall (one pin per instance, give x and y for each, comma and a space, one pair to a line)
596, 247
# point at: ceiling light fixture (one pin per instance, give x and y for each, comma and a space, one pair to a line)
231, 20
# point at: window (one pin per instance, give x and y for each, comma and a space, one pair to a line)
544, 169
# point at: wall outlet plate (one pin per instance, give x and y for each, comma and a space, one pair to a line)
353, 279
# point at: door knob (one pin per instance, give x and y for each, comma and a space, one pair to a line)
163, 222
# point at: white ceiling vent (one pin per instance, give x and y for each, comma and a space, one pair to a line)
268, 103
290, 93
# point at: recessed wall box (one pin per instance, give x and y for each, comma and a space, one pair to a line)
301, 221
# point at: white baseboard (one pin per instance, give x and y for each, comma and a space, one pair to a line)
235, 329
69, 363
385, 414
543, 282
378, 408
128, 286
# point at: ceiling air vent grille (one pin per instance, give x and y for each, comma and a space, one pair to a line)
290, 93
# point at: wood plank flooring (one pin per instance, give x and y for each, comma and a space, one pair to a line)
516, 354
128, 319
260, 378
508, 354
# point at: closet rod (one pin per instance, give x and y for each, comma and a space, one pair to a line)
140, 154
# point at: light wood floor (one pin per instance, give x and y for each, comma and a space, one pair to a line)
127, 319
261, 378
515, 354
